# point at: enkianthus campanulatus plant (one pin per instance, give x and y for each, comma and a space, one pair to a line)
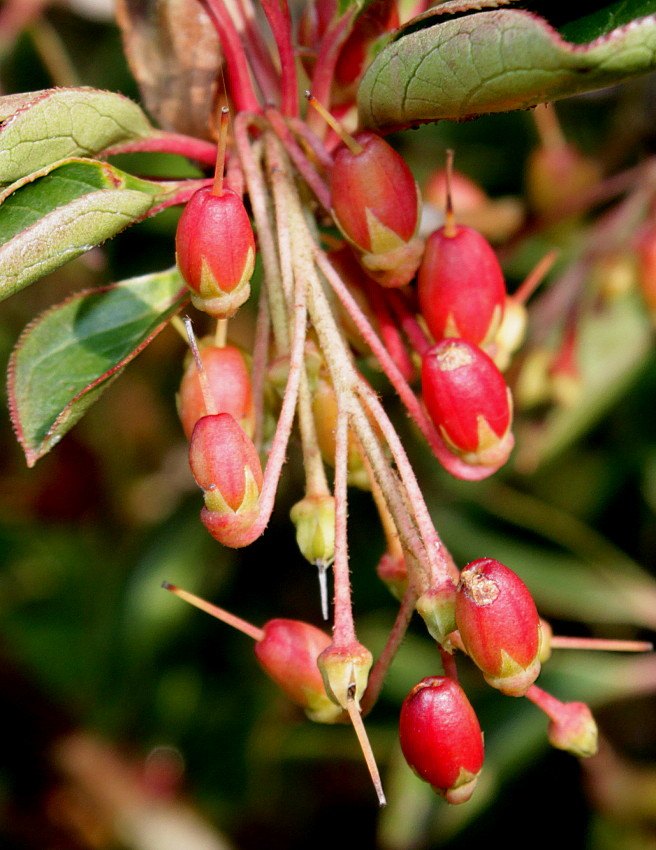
353, 298
325, 301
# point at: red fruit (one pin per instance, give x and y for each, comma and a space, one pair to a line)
468, 401
461, 289
288, 654
376, 206
441, 738
215, 250
229, 380
225, 464
499, 625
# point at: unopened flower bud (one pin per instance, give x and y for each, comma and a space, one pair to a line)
461, 288
288, 654
574, 730
314, 518
228, 379
499, 625
392, 570
215, 250
226, 466
345, 672
468, 401
441, 738
376, 206
438, 610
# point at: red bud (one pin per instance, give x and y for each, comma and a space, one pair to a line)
376, 206
467, 399
441, 738
499, 625
215, 250
288, 654
462, 292
225, 464
229, 381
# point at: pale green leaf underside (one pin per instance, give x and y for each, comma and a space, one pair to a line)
67, 357
47, 220
47, 126
494, 61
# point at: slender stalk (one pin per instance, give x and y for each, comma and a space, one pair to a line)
324, 70
301, 129
314, 181
225, 616
259, 57
389, 331
241, 87
600, 644
367, 752
260, 363
208, 396
266, 241
406, 317
163, 142
280, 22
394, 641
344, 627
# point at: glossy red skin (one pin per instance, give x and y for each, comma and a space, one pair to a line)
217, 229
376, 179
288, 654
460, 277
219, 453
510, 622
439, 732
230, 382
455, 398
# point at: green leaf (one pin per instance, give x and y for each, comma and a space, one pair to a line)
67, 357
49, 218
42, 127
493, 61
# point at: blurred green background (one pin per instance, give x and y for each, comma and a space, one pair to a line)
90, 644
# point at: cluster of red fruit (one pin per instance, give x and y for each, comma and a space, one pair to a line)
461, 300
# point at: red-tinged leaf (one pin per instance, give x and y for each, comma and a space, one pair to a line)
42, 127
58, 213
69, 355
446, 64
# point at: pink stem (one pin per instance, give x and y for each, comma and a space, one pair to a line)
221, 614
343, 628
181, 196
241, 87
264, 71
388, 329
384, 660
601, 644
175, 143
280, 22
315, 144
299, 159
408, 397
449, 664
545, 702
260, 361
411, 327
